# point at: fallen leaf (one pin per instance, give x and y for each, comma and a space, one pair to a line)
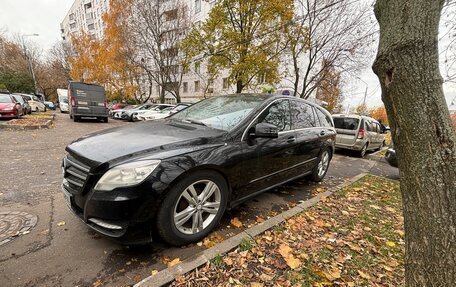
97, 283
60, 223
236, 222
390, 243
154, 272
287, 254
364, 275
256, 284
173, 262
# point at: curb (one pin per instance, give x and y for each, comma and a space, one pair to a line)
168, 275
35, 127
376, 157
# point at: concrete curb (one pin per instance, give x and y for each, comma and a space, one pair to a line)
168, 275
376, 157
46, 125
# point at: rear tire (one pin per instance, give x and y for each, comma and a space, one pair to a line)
185, 217
76, 119
363, 151
321, 168
105, 120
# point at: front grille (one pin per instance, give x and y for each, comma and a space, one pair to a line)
76, 174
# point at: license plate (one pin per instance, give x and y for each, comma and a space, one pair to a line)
82, 103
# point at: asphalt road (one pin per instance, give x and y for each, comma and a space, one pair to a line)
70, 254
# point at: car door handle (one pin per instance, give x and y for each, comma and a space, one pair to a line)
291, 140
322, 133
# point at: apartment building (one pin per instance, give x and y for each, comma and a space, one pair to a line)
84, 15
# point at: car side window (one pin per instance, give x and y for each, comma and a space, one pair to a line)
302, 115
370, 126
325, 120
278, 114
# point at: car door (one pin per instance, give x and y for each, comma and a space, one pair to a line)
266, 161
308, 132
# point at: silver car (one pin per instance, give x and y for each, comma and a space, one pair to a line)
358, 133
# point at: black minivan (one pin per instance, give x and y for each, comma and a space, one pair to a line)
176, 177
87, 100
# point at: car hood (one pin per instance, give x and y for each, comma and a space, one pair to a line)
6, 105
158, 140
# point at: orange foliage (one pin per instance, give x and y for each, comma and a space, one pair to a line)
329, 89
379, 113
107, 61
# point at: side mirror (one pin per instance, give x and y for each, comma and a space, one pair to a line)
265, 130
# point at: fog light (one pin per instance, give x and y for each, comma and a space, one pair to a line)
104, 224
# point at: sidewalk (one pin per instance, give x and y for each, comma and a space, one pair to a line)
351, 238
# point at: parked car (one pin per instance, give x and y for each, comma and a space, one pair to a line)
25, 105
128, 114
9, 107
390, 156
87, 100
63, 100
154, 110
116, 106
49, 105
163, 113
175, 177
117, 114
35, 103
358, 133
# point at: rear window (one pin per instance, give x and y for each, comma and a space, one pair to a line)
346, 123
325, 120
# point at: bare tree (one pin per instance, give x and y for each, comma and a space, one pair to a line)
156, 28
327, 34
448, 42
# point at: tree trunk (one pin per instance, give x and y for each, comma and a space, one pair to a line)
239, 86
162, 95
407, 66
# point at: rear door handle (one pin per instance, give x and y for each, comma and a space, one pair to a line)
291, 140
322, 133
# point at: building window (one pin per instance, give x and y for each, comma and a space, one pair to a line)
185, 87
198, 67
197, 86
197, 6
91, 27
226, 83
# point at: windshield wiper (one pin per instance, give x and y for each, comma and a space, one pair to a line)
192, 121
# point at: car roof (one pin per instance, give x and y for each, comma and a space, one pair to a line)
354, 116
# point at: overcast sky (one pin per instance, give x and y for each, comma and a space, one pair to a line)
44, 17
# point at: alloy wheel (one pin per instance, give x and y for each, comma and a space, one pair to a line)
323, 164
197, 207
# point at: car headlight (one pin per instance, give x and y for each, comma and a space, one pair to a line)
126, 175
8, 109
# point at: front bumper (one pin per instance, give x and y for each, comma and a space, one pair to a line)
8, 114
123, 215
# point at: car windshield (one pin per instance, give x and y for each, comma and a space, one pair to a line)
5, 99
223, 112
19, 99
346, 123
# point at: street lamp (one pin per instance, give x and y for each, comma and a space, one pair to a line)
29, 62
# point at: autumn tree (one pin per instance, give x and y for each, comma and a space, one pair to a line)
361, 109
329, 88
156, 29
107, 61
407, 66
379, 113
331, 34
244, 37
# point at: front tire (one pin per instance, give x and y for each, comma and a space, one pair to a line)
192, 208
363, 151
320, 170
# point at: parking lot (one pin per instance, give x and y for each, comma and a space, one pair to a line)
61, 251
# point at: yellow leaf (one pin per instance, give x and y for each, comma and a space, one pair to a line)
364, 275
60, 223
154, 272
256, 284
390, 243
173, 262
291, 261
236, 222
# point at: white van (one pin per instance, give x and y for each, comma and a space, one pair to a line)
63, 100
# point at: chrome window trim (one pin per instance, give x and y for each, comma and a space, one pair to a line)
283, 132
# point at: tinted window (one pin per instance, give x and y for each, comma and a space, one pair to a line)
5, 99
19, 99
369, 126
302, 115
27, 98
346, 123
278, 114
325, 120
